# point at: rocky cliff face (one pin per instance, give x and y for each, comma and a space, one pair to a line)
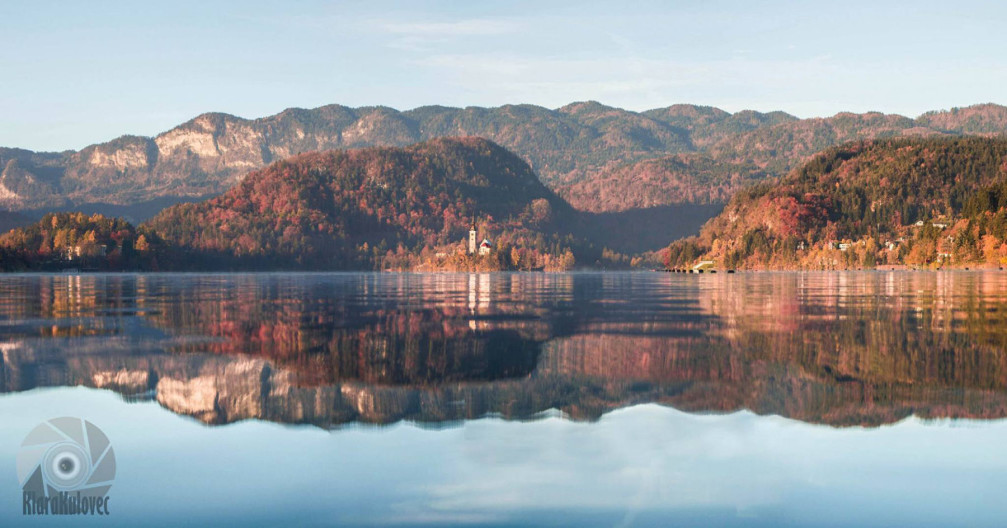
27, 178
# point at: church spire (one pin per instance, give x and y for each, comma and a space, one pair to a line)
473, 238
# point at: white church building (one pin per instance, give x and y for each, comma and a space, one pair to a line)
482, 248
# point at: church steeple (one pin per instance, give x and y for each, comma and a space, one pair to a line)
473, 239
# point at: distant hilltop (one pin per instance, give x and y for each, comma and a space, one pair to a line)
378, 208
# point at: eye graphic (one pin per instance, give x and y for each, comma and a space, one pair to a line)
66, 454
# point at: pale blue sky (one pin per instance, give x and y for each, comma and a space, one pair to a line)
640, 466
75, 73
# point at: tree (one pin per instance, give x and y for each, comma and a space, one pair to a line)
515, 258
567, 261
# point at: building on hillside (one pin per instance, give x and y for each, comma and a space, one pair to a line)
480, 248
939, 225
78, 251
485, 247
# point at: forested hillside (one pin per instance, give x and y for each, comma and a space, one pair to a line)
75, 240
675, 180
380, 208
919, 202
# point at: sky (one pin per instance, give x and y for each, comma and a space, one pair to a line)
76, 73
640, 466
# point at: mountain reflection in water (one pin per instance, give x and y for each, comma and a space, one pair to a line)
327, 349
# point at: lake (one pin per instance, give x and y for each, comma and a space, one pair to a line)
535, 399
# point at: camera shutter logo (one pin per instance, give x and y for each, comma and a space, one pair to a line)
66, 455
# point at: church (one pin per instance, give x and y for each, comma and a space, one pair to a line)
482, 248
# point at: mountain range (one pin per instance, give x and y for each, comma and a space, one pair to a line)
583, 150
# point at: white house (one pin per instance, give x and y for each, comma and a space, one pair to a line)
485, 247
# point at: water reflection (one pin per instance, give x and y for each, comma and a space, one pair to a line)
326, 349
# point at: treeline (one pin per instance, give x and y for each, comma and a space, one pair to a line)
95, 242
64, 240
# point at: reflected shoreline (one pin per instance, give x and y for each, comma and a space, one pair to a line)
842, 349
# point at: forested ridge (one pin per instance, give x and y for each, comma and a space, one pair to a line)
918, 202
380, 208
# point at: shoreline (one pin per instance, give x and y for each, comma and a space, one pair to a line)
493, 272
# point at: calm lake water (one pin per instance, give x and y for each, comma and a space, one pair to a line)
585, 399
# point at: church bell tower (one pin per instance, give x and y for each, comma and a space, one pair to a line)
473, 237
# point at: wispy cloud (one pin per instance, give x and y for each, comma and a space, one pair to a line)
457, 28
422, 36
